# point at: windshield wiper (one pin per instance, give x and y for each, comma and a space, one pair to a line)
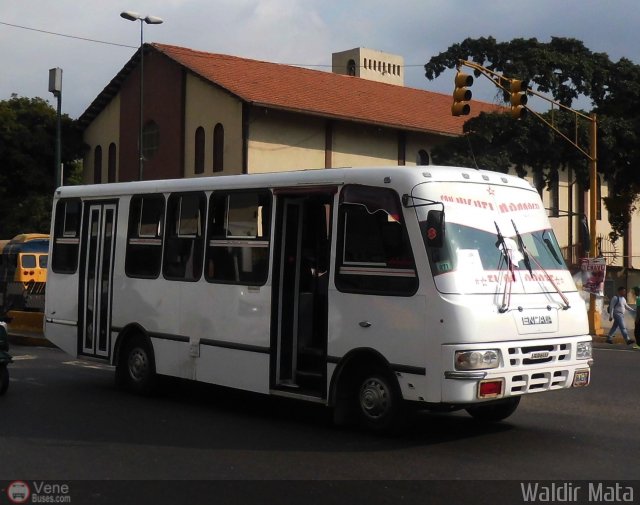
523, 250
506, 294
550, 247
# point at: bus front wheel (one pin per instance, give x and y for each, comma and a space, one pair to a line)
379, 402
136, 367
494, 411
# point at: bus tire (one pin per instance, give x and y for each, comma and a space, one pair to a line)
495, 411
136, 369
4, 379
379, 402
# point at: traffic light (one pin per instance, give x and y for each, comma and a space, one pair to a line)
461, 94
518, 97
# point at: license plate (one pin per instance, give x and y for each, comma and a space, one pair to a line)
581, 378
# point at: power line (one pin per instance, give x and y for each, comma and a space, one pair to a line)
68, 36
136, 47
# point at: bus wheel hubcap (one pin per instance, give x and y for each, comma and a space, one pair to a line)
374, 399
138, 364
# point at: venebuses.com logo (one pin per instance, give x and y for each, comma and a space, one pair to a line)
18, 492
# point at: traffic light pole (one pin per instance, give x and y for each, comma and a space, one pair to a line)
514, 87
595, 327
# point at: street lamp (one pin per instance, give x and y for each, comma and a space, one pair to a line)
55, 87
150, 20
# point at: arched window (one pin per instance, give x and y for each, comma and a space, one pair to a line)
351, 68
97, 165
199, 151
111, 171
218, 148
150, 139
423, 157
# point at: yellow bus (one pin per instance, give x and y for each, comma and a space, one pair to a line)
23, 272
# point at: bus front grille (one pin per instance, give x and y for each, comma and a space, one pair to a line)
538, 354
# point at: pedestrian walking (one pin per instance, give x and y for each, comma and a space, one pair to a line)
617, 309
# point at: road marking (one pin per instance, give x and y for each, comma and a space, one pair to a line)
24, 357
84, 364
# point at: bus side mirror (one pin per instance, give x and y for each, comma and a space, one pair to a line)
585, 236
434, 229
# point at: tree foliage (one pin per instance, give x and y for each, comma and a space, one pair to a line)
27, 163
566, 70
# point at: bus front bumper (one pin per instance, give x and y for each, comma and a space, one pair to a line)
473, 386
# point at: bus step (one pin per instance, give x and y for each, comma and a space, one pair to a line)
312, 351
309, 374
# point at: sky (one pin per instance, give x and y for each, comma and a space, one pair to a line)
300, 32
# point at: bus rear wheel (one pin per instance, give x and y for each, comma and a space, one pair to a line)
136, 369
494, 411
379, 402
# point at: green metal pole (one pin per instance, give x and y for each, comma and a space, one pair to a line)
58, 172
140, 133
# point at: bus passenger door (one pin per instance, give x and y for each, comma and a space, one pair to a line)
300, 291
98, 245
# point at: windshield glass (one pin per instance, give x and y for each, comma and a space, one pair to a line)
483, 250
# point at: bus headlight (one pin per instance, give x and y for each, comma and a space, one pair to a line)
477, 360
584, 350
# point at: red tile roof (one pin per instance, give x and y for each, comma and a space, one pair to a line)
310, 92
325, 94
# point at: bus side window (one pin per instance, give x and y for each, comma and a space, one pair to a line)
238, 237
185, 236
144, 236
374, 252
66, 237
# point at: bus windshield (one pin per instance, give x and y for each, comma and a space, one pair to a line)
484, 250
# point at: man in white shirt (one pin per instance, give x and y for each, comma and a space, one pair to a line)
617, 309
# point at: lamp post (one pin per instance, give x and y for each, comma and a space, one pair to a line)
150, 20
55, 87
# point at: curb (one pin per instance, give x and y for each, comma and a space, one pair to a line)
600, 342
32, 340
25, 328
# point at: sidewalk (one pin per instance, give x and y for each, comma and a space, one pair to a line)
25, 328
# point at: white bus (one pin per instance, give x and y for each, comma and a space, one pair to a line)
365, 289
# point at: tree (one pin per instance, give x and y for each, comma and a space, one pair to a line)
565, 69
27, 163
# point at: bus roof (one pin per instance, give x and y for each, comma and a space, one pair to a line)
40, 245
26, 237
392, 175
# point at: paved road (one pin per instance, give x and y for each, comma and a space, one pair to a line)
62, 420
